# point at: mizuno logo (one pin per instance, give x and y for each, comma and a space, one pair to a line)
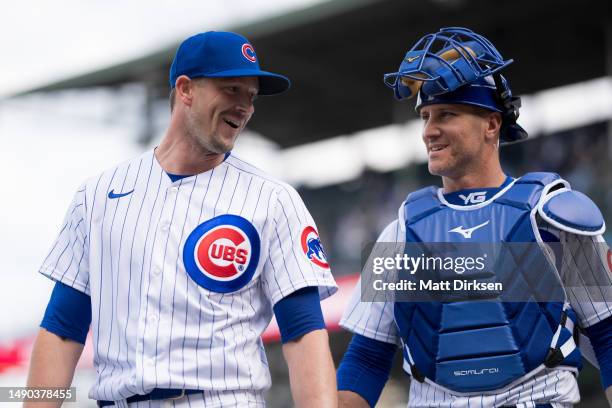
474, 198
412, 59
467, 232
112, 194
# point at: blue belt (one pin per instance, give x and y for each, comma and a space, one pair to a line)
156, 394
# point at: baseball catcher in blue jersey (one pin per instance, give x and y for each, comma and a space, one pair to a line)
492, 352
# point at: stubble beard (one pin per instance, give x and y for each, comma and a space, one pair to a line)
209, 143
212, 144
456, 165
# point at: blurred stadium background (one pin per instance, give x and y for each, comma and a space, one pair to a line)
338, 136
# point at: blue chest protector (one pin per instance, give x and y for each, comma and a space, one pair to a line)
475, 347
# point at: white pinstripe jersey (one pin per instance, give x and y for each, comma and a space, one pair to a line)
183, 275
375, 320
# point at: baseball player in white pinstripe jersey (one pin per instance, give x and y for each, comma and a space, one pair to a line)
471, 353
180, 257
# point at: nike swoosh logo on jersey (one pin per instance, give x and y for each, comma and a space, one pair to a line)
467, 232
411, 59
112, 194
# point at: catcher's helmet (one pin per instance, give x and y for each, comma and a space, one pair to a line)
456, 65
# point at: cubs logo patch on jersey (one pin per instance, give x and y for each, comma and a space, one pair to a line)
222, 253
311, 245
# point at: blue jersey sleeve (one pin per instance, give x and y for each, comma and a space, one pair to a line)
68, 313
600, 335
365, 367
299, 313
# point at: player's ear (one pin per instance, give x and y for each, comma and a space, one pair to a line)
493, 126
184, 88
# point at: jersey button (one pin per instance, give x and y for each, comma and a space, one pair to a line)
152, 318
174, 189
156, 271
165, 227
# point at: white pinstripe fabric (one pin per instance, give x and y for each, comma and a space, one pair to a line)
153, 326
588, 309
555, 385
207, 399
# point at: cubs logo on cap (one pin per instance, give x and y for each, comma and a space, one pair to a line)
248, 52
219, 54
222, 253
311, 245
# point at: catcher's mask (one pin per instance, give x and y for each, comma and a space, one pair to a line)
456, 65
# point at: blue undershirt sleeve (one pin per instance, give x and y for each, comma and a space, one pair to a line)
365, 367
68, 313
299, 313
600, 335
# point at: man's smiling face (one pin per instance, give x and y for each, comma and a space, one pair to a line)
220, 110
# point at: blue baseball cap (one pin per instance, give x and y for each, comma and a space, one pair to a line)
218, 54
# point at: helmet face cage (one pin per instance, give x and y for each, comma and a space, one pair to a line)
444, 61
